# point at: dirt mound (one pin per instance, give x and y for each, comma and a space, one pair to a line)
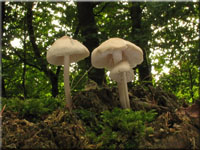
174, 127
174, 131
141, 98
58, 131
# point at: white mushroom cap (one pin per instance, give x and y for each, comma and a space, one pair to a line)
114, 50
66, 46
117, 72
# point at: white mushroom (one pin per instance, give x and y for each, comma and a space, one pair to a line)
118, 56
64, 51
122, 73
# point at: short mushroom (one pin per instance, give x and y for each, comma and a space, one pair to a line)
122, 73
119, 57
64, 51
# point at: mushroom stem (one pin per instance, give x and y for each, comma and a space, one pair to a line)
66, 82
123, 92
121, 95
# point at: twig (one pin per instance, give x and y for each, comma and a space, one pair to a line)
2, 110
82, 77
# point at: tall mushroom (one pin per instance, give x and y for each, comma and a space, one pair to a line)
64, 51
119, 57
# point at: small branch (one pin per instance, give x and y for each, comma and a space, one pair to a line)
27, 63
76, 31
81, 78
102, 9
93, 4
2, 110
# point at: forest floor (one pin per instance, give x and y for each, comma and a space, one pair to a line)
176, 125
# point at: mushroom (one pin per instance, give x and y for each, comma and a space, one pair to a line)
119, 57
64, 51
122, 73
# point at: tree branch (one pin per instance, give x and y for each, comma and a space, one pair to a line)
27, 62
36, 50
30, 29
102, 9
58, 70
76, 31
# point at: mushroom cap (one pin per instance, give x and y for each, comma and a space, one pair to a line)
102, 56
117, 72
66, 46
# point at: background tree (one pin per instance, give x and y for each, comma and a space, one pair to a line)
167, 32
35, 56
88, 29
140, 36
176, 41
41, 62
2, 7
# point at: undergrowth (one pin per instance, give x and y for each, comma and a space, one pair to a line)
116, 129
119, 128
32, 109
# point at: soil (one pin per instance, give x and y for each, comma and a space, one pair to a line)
176, 126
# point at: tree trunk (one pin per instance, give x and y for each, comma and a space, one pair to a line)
2, 82
138, 32
3, 94
24, 81
40, 61
88, 29
191, 84
54, 85
24, 57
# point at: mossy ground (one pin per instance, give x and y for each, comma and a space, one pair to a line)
174, 127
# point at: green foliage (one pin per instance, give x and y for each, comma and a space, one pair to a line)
113, 20
119, 128
123, 126
85, 115
175, 44
33, 108
175, 82
171, 30
90, 119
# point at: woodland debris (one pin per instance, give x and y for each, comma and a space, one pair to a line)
174, 127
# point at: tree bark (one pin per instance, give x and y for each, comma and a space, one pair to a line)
24, 76
2, 8
138, 31
88, 30
40, 60
191, 84
24, 58
54, 83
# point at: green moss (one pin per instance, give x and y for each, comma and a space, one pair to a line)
119, 128
32, 109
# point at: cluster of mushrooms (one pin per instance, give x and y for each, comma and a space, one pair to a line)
117, 55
